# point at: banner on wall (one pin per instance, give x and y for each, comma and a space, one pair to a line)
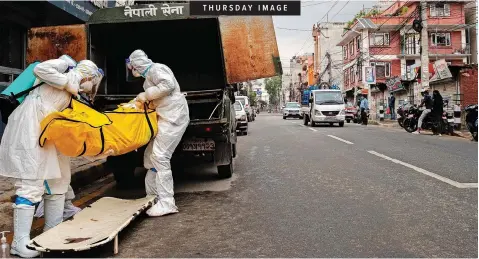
370, 75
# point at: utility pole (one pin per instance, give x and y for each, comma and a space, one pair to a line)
330, 67
424, 47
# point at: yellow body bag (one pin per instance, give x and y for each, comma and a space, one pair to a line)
82, 131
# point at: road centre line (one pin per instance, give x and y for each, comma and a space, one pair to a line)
340, 139
312, 129
425, 172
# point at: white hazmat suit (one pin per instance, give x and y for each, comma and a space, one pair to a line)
40, 170
163, 92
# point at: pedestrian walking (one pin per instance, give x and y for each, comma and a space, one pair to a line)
392, 106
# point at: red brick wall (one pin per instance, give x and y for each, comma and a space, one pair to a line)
468, 86
394, 47
457, 16
396, 67
456, 43
355, 52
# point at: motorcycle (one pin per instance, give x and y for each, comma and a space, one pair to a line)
471, 120
414, 112
402, 113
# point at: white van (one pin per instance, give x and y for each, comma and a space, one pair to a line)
325, 106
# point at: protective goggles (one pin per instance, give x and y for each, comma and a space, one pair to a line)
128, 64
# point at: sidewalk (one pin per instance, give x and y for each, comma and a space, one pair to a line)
83, 173
463, 133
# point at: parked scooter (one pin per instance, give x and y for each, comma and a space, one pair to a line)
471, 120
410, 123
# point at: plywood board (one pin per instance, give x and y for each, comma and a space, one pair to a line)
93, 226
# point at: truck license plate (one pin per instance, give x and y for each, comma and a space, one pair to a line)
208, 145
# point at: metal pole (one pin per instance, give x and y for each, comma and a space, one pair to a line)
424, 47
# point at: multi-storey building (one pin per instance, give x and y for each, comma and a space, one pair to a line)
326, 35
388, 43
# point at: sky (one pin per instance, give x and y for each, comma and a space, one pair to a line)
293, 33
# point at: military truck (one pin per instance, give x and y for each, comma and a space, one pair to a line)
208, 55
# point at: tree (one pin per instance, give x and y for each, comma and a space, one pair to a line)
252, 98
273, 87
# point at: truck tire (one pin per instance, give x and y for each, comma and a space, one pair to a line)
284, 117
225, 171
234, 150
123, 169
313, 124
348, 121
225, 152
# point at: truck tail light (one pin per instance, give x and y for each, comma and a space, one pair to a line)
208, 129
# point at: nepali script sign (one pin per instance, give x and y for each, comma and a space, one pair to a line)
151, 10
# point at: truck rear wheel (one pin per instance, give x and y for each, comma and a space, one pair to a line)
225, 171
224, 154
123, 169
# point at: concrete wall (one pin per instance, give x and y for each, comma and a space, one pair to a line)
333, 32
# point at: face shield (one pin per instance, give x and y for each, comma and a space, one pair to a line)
130, 72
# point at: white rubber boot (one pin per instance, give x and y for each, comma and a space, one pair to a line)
22, 224
54, 206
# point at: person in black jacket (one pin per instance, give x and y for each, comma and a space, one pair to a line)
437, 107
427, 101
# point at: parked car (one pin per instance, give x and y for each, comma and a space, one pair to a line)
241, 118
292, 110
350, 112
245, 102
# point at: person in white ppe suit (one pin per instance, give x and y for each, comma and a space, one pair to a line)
162, 92
40, 170
69, 208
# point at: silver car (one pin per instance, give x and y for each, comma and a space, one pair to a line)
292, 110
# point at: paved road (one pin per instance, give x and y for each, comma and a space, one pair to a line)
322, 192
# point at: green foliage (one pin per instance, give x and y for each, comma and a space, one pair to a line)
362, 14
252, 98
273, 87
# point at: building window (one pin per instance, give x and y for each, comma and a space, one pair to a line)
345, 52
383, 69
351, 48
440, 10
346, 81
351, 74
411, 44
358, 43
441, 39
379, 39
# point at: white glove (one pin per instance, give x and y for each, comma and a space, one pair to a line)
72, 88
141, 97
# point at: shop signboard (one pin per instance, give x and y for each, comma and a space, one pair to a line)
394, 84
79, 8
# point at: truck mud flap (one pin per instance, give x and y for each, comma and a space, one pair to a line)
223, 153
